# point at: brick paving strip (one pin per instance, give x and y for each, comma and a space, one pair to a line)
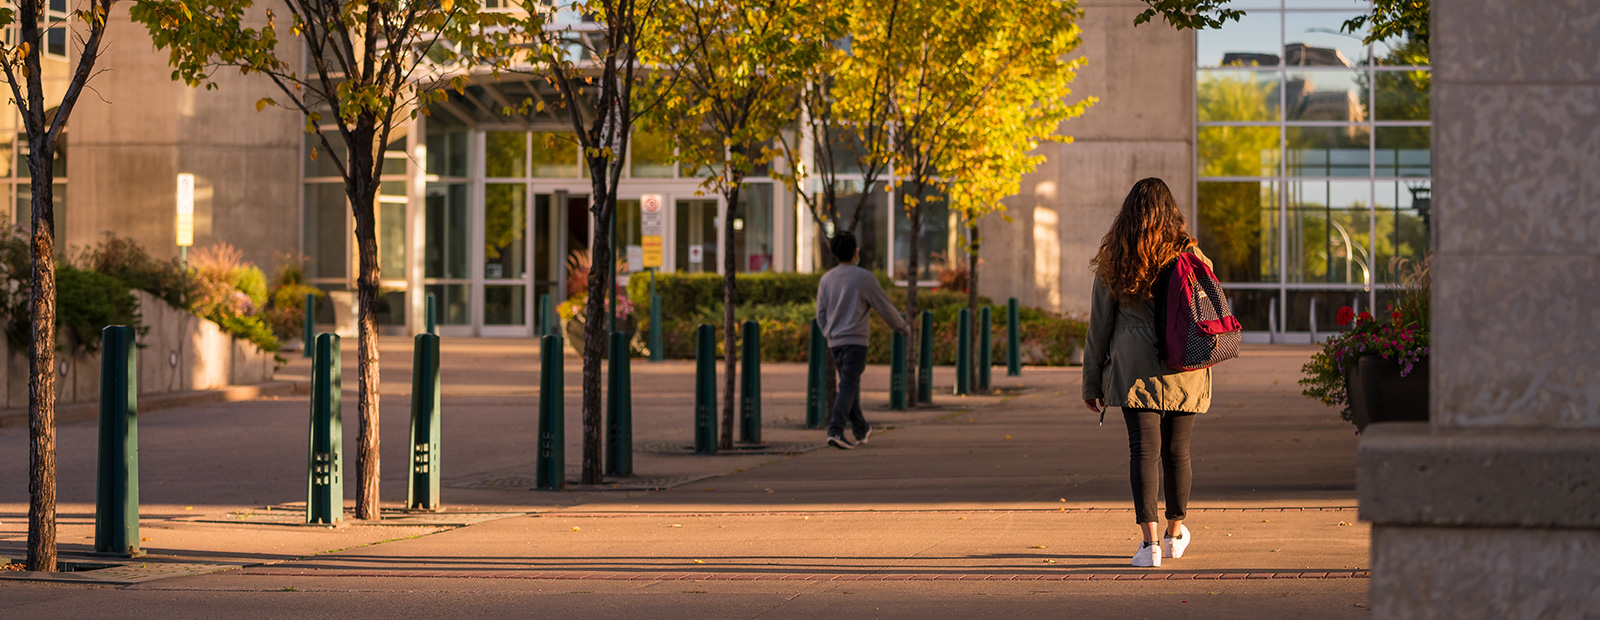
583, 576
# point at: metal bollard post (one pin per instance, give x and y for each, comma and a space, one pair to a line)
705, 391
815, 393
656, 354
551, 468
963, 353
925, 386
897, 372
431, 314
985, 350
750, 384
309, 334
116, 514
423, 491
619, 408
325, 501
1013, 340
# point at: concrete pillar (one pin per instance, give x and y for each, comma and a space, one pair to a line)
1492, 509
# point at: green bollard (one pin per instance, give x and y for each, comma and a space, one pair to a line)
750, 384
423, 491
551, 474
619, 409
705, 391
985, 349
431, 314
816, 407
656, 353
325, 501
1013, 340
925, 387
310, 332
116, 513
897, 373
963, 353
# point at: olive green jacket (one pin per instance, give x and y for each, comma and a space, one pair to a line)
1120, 363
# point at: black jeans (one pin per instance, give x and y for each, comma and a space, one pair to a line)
1164, 433
850, 360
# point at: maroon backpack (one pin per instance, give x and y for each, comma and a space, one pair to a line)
1195, 329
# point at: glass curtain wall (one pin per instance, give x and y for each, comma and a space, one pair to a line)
1313, 162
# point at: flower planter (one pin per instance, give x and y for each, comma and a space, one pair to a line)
1378, 393
575, 335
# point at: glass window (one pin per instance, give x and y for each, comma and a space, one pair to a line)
628, 234
938, 244
555, 155
1328, 151
651, 156
453, 301
1239, 151
1318, 40
1325, 96
392, 229
1252, 307
1403, 218
1404, 152
1238, 95
445, 246
1402, 95
447, 146
327, 233
392, 308
1328, 231
1238, 227
505, 305
1297, 316
394, 156
871, 225
318, 163
505, 231
505, 154
752, 228
696, 231
1255, 40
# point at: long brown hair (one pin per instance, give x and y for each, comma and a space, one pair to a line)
1147, 234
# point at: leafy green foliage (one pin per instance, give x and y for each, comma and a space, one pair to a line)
1189, 14
86, 302
126, 260
1403, 335
232, 293
286, 306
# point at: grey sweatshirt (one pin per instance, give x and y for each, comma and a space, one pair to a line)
843, 298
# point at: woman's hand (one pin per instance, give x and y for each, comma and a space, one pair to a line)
1095, 404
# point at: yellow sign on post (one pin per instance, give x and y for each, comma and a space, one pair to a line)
185, 210
652, 225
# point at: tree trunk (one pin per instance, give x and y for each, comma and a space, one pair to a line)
42, 374
915, 250
730, 300
602, 207
368, 454
972, 304
830, 376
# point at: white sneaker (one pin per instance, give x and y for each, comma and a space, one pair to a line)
1176, 545
1149, 556
864, 438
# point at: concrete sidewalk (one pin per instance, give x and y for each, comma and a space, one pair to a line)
1015, 504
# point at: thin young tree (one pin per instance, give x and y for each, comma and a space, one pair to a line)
369, 65
43, 122
588, 50
736, 66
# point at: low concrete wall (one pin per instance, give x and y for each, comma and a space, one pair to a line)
180, 353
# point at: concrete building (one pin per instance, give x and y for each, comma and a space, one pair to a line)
1299, 154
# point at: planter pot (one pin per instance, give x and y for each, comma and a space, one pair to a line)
574, 335
1378, 393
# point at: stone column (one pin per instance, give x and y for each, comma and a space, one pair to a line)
1492, 509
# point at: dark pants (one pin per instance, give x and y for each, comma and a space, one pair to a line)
850, 360
1164, 433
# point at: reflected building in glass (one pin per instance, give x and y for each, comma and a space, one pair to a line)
1312, 165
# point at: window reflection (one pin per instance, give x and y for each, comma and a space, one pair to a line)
1235, 151
1404, 152
1237, 95
1324, 96
1404, 211
1328, 151
1238, 227
1328, 227
1254, 40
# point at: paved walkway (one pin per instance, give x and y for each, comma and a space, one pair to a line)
1014, 503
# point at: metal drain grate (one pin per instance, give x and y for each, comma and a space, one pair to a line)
133, 572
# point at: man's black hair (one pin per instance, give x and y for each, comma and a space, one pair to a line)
843, 246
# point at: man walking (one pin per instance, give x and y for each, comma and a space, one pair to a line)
844, 297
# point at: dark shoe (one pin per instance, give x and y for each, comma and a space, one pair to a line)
840, 443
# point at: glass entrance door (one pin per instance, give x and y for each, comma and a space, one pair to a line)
506, 254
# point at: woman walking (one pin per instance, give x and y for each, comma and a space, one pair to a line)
1121, 367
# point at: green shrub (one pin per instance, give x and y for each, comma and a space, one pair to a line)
127, 261
86, 302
